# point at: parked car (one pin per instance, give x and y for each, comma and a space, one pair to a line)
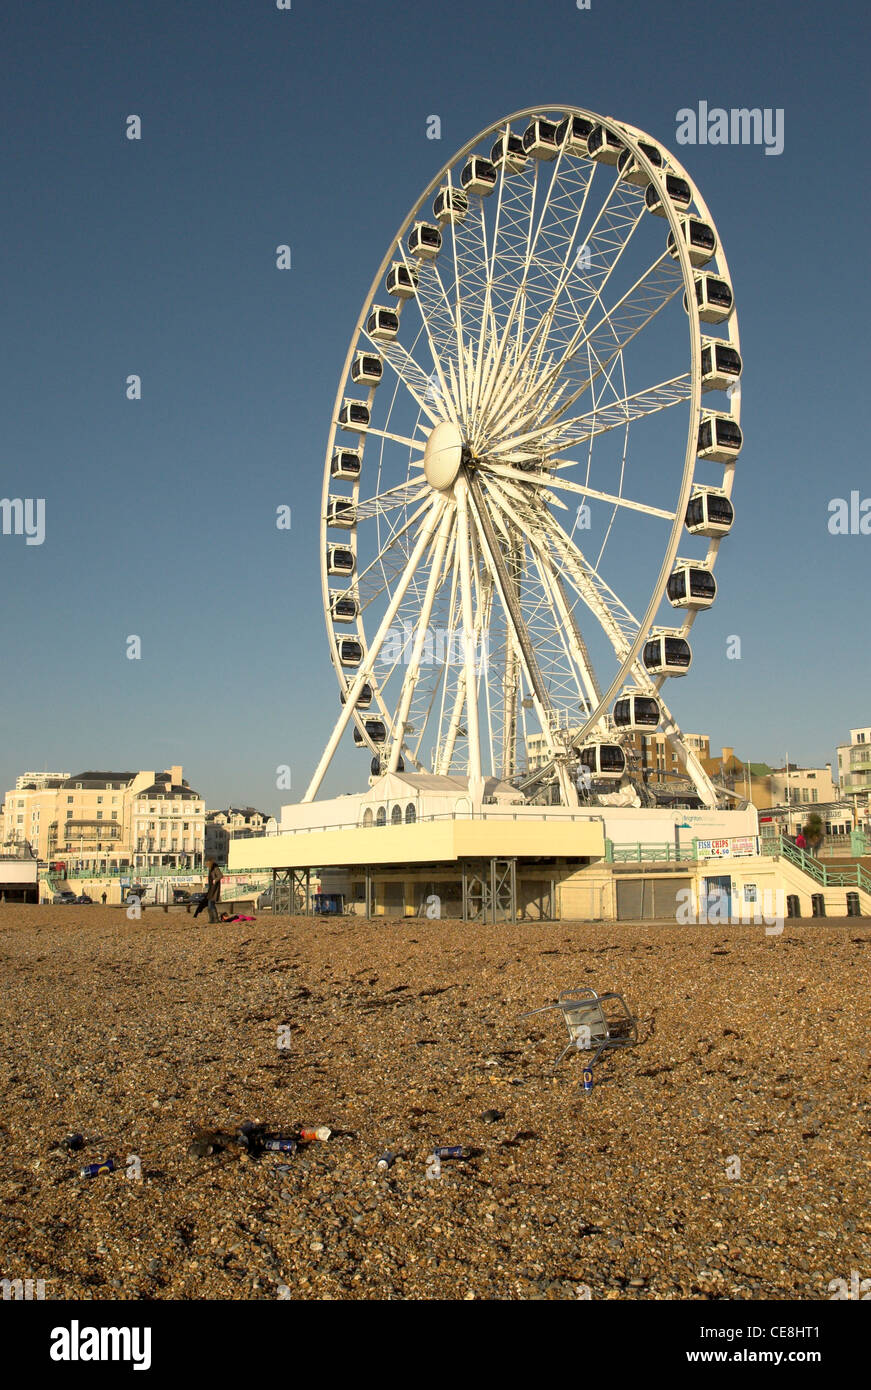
65, 897
83, 898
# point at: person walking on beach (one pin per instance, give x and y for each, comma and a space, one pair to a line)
213, 893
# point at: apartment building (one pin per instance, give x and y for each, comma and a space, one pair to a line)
108, 820
235, 823
854, 774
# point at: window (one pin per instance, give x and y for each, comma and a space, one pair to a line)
815, 796
69, 815
410, 814
381, 818
186, 825
396, 815
114, 815
99, 815
367, 816
99, 801
69, 800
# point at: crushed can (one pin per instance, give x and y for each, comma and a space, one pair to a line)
448, 1151
93, 1170
279, 1144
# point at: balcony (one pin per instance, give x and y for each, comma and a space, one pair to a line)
91, 830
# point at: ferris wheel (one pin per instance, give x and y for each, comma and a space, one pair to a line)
539, 409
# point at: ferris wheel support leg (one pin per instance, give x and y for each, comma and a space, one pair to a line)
519, 638
433, 582
476, 781
423, 540
443, 766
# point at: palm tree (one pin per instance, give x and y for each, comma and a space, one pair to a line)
813, 830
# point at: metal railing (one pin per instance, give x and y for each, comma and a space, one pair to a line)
552, 813
853, 877
129, 871
641, 853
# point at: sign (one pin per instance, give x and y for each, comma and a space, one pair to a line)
728, 848
744, 844
750, 892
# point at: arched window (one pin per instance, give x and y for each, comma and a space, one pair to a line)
396, 815
381, 817
367, 816
410, 814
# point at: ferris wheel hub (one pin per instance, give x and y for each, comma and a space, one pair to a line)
443, 455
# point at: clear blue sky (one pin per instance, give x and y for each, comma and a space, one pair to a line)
157, 257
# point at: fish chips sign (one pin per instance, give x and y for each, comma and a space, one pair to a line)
731, 848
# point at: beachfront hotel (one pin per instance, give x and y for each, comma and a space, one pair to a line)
108, 821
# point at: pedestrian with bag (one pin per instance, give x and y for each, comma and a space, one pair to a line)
213, 893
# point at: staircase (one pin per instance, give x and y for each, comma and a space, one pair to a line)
851, 876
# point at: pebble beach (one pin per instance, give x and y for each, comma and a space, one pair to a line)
726, 1156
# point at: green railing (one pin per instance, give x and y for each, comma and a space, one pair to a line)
853, 877
640, 853
140, 875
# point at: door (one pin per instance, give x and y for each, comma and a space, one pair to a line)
718, 899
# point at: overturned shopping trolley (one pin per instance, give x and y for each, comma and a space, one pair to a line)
595, 1022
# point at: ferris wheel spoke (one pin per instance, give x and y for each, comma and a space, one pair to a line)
356, 685
417, 444
544, 481
416, 382
563, 434
515, 625
607, 238
621, 324
615, 619
616, 328
367, 576
399, 496
568, 631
